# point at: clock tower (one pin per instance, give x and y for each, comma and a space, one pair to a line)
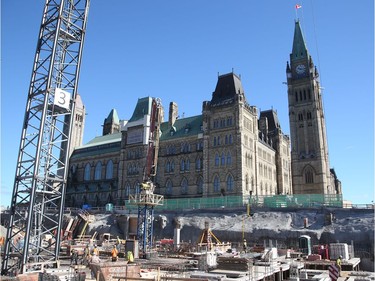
309, 150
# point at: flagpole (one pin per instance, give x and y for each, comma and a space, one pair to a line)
297, 6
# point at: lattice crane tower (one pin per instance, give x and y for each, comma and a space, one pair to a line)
41, 172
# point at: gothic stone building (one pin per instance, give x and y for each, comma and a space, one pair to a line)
230, 149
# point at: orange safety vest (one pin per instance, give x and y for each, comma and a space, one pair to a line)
114, 252
96, 251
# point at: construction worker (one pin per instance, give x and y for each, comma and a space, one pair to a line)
95, 250
86, 256
114, 253
338, 264
244, 245
129, 256
94, 259
74, 257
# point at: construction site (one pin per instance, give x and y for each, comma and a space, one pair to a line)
214, 244
152, 238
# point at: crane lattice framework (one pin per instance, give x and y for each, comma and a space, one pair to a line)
41, 172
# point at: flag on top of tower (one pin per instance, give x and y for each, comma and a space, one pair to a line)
298, 6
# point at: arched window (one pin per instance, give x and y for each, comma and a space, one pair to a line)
300, 116
229, 121
168, 167
109, 170
184, 186
200, 185
309, 176
229, 158
119, 169
187, 165
230, 183
127, 189
185, 147
247, 182
137, 188
217, 159
200, 145
198, 164
98, 171
172, 166
182, 165
132, 168
168, 185
222, 159
87, 172
216, 184
230, 139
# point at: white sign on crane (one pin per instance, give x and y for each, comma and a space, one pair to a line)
62, 98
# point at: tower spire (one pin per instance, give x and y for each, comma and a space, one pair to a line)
309, 148
299, 50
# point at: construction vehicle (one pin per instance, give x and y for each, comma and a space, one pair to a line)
41, 171
146, 200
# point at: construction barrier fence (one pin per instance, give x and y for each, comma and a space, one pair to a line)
275, 201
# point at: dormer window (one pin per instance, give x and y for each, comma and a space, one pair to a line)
187, 128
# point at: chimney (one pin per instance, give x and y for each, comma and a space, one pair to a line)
263, 125
173, 112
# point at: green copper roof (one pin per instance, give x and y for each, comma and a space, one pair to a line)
103, 140
112, 118
142, 108
299, 46
99, 145
182, 128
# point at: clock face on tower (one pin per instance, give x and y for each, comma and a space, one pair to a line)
300, 69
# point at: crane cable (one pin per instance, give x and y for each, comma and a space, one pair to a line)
316, 41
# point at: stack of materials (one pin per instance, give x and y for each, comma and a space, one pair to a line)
233, 263
339, 249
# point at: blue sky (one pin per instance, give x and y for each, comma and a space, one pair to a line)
174, 50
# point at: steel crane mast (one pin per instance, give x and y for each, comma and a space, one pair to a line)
41, 172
